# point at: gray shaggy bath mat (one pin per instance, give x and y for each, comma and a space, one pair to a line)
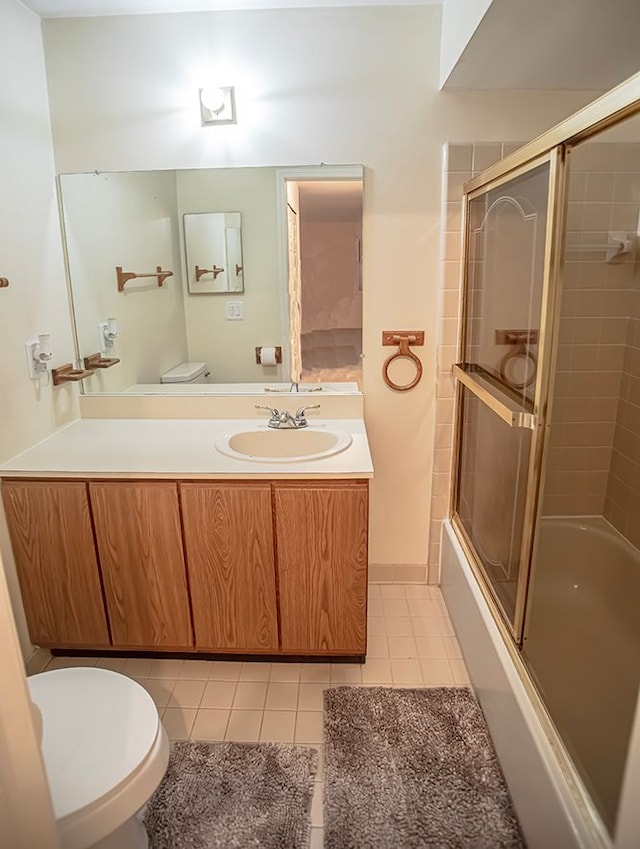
412, 768
224, 795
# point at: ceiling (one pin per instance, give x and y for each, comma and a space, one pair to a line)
518, 44
91, 8
551, 44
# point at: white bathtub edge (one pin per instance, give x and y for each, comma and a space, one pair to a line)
549, 814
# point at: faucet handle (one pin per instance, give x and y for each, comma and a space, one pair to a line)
300, 418
274, 413
303, 410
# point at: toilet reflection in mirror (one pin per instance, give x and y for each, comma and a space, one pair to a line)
143, 220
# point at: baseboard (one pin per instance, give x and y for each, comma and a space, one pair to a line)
397, 573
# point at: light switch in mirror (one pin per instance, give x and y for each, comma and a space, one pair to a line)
213, 251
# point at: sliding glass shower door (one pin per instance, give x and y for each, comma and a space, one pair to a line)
504, 311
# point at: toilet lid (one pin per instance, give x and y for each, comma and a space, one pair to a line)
184, 372
97, 728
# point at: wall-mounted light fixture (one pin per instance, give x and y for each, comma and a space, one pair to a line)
39, 355
217, 105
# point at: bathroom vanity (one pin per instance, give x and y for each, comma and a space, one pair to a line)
151, 540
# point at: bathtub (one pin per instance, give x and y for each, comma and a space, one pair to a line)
594, 577
552, 810
582, 644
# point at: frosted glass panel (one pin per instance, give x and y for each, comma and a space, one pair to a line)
494, 459
505, 269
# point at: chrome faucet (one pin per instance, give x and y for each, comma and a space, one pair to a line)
300, 419
285, 419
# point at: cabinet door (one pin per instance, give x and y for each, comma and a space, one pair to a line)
321, 540
230, 560
140, 546
50, 529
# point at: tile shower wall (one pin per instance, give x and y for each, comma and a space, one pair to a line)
591, 459
461, 161
622, 499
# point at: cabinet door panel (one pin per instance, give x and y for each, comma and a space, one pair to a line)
321, 539
52, 540
140, 545
229, 543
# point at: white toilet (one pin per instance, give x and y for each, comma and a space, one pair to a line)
186, 373
105, 752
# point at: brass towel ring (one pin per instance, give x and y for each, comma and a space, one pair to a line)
520, 351
405, 352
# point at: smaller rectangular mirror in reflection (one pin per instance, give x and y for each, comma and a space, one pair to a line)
213, 251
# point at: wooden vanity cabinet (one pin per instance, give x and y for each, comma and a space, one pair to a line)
321, 539
139, 539
52, 540
251, 567
228, 533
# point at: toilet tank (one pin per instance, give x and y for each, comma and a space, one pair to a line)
186, 373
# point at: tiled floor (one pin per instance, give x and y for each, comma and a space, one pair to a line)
411, 644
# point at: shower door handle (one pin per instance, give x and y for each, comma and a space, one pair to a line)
509, 411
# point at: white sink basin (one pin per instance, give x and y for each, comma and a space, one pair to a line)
284, 445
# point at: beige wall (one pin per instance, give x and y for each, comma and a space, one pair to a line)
296, 107
30, 256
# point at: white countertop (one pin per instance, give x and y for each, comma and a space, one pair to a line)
175, 448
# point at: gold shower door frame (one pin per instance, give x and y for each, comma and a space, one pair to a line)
551, 147
534, 418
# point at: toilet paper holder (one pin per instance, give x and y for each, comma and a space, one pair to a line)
259, 350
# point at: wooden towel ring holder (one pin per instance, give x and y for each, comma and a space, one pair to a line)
403, 340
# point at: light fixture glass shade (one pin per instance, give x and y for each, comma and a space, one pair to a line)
217, 105
212, 99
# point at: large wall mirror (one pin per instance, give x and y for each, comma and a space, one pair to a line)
255, 272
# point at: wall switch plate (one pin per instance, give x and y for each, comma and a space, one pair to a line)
234, 311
